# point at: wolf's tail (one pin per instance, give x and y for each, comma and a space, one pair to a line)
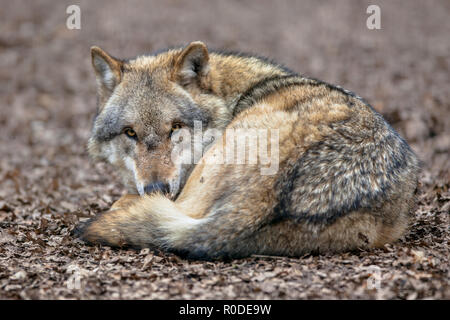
154, 221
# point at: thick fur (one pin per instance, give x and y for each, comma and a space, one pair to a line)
346, 179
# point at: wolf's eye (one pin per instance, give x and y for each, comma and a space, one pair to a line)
175, 127
130, 133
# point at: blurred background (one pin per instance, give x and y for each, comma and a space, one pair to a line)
47, 87
47, 91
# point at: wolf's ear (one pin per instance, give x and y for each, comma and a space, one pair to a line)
192, 64
107, 70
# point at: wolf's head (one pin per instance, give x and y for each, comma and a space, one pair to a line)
142, 103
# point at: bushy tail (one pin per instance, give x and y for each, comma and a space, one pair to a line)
157, 222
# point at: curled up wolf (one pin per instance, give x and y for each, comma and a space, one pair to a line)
334, 176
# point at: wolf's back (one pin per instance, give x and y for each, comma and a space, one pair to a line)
346, 180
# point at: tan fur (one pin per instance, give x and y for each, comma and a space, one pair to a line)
345, 179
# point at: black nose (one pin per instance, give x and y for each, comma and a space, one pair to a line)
157, 187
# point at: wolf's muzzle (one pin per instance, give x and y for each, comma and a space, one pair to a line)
157, 187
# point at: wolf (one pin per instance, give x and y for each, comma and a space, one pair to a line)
344, 180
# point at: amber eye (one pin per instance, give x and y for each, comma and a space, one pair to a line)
175, 127
130, 133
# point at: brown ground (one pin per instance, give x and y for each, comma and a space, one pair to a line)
47, 182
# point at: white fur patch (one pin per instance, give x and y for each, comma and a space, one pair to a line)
110, 150
176, 224
131, 165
